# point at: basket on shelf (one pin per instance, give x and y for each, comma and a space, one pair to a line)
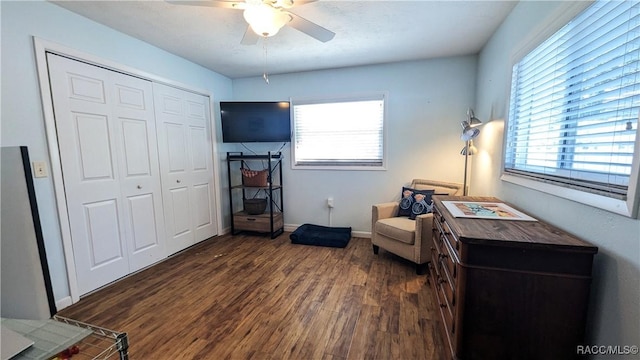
255, 206
255, 178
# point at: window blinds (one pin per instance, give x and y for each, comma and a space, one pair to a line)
345, 132
575, 102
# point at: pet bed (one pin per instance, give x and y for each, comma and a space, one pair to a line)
309, 234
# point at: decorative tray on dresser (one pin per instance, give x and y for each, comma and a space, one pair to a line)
508, 289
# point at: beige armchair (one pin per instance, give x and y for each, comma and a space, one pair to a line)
405, 237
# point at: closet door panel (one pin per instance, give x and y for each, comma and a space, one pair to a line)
136, 148
204, 212
93, 147
174, 160
139, 169
90, 88
142, 209
103, 232
186, 165
86, 132
199, 147
177, 147
197, 109
182, 219
201, 165
106, 136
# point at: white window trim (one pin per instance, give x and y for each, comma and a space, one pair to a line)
630, 206
383, 167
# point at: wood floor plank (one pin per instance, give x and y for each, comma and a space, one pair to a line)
364, 335
250, 297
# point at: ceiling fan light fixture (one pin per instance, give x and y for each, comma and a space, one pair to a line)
264, 19
286, 4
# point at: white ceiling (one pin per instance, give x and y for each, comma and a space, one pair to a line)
367, 32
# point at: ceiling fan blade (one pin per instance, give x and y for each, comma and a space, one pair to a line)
250, 37
312, 29
211, 3
287, 4
302, 2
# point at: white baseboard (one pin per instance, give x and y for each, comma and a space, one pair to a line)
63, 303
293, 227
361, 234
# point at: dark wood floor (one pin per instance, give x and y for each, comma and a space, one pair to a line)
251, 297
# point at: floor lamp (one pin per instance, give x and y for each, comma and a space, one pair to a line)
469, 132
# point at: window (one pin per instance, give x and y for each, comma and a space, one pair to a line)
339, 133
575, 104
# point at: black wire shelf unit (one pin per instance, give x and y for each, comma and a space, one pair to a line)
271, 221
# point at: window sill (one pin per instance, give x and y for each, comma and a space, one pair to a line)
338, 167
626, 208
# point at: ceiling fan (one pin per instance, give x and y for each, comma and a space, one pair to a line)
266, 17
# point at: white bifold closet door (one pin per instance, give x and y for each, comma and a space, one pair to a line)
184, 143
107, 140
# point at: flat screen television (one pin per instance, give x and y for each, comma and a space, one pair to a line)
256, 121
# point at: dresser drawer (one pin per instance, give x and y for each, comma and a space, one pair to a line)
446, 309
434, 263
453, 239
448, 255
443, 227
448, 286
444, 259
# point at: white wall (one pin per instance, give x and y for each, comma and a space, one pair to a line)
427, 101
614, 314
22, 116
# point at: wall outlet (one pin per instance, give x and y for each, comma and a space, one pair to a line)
330, 203
40, 169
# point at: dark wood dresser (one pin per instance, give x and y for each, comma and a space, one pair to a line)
508, 289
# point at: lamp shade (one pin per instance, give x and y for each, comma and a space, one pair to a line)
468, 132
472, 119
469, 126
469, 150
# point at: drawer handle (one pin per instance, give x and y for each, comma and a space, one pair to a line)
251, 219
443, 305
443, 256
442, 281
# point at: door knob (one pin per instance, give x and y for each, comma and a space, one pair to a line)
139, 186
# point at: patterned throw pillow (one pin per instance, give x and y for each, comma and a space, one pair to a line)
406, 201
415, 202
422, 203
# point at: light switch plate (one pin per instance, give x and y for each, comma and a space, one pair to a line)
40, 169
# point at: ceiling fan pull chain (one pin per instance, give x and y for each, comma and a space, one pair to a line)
265, 75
